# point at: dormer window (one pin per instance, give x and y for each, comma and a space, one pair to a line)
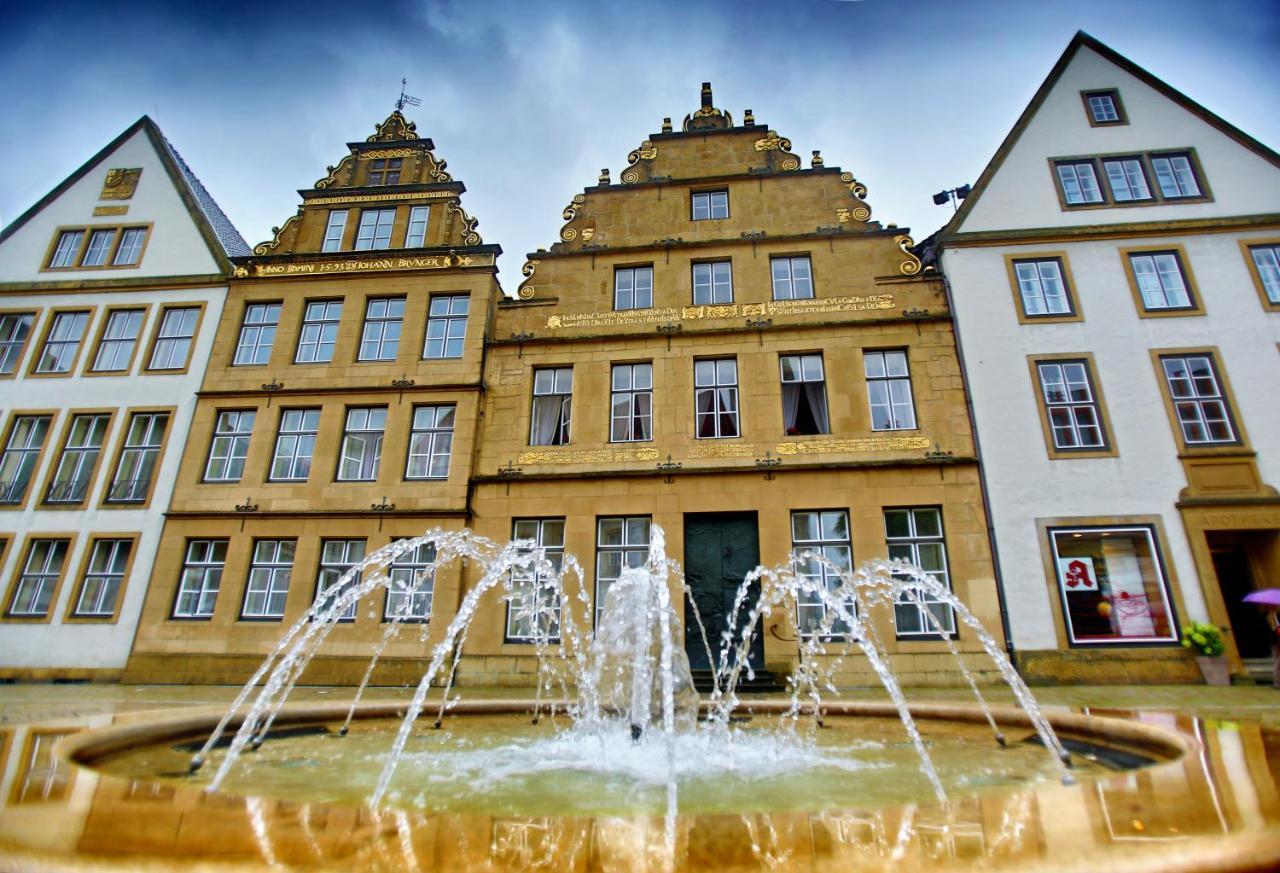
385, 171
1103, 107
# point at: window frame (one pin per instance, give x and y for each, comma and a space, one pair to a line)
632, 417
1121, 117
22, 346
1195, 300
36, 450
783, 381
868, 380
109, 257
381, 320
711, 267
373, 246
384, 167
1092, 162
414, 566
564, 426
64, 435
624, 548
199, 307
1240, 443
187, 564
1108, 448
633, 269
1246, 249
127, 416
72, 613
1047, 527
791, 279
348, 432
304, 323
426, 226
820, 546
19, 570
1074, 311
1143, 169
273, 567
1144, 158
507, 637
329, 227
716, 387
914, 541
450, 321
101, 338
433, 434
47, 330
709, 194
234, 437
261, 327
280, 432
319, 589
1197, 172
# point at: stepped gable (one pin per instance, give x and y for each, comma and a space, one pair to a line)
393, 166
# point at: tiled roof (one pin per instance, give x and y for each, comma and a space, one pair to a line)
229, 238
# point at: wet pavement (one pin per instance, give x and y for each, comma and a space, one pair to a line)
1215, 809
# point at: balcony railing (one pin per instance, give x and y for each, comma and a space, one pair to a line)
11, 491
70, 491
128, 491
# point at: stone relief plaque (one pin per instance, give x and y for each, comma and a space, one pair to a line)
120, 183
722, 450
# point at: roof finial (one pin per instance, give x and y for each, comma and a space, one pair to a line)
405, 99
708, 117
706, 95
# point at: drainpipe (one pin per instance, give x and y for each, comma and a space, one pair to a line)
1009, 646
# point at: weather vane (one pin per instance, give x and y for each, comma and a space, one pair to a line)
405, 99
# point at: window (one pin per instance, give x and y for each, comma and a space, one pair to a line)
201, 578
1266, 260
257, 334
1112, 585
15, 327
533, 612
412, 585
1079, 182
712, 283
821, 534
715, 398
130, 247
375, 229
1198, 400
269, 574
417, 234
97, 247
430, 442
295, 444
337, 558
1162, 283
62, 343
68, 248
632, 403
21, 454
915, 536
102, 578
1042, 288
446, 326
1127, 179
620, 542
633, 288
115, 349
74, 474
1176, 176
319, 331
138, 461
804, 395
385, 171
552, 406
710, 204
230, 445
44, 777
1071, 406
173, 341
39, 577
334, 230
889, 389
383, 319
1103, 107
362, 444
792, 278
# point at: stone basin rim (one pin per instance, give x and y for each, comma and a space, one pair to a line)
91, 746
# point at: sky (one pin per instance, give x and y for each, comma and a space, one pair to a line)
527, 101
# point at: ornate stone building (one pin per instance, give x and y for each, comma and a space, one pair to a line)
339, 411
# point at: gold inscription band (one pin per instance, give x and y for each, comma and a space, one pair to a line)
868, 444
697, 313
436, 262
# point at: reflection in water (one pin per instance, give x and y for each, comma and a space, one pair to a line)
1229, 789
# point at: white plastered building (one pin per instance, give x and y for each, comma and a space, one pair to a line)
1115, 282
111, 287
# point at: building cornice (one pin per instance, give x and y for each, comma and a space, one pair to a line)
102, 286
677, 243
1059, 233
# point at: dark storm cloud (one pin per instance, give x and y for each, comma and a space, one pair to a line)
528, 101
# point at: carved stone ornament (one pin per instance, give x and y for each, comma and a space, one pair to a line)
526, 289
911, 266
707, 117
277, 235
861, 212
771, 141
470, 236
334, 171
646, 152
567, 233
395, 128
120, 183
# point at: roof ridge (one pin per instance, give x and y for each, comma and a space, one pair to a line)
233, 244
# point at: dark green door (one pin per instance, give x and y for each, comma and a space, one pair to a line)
720, 549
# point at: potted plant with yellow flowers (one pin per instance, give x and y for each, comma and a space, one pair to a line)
1206, 641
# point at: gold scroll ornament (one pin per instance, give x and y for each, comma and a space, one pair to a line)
120, 183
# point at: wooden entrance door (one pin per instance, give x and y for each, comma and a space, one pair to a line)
719, 550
